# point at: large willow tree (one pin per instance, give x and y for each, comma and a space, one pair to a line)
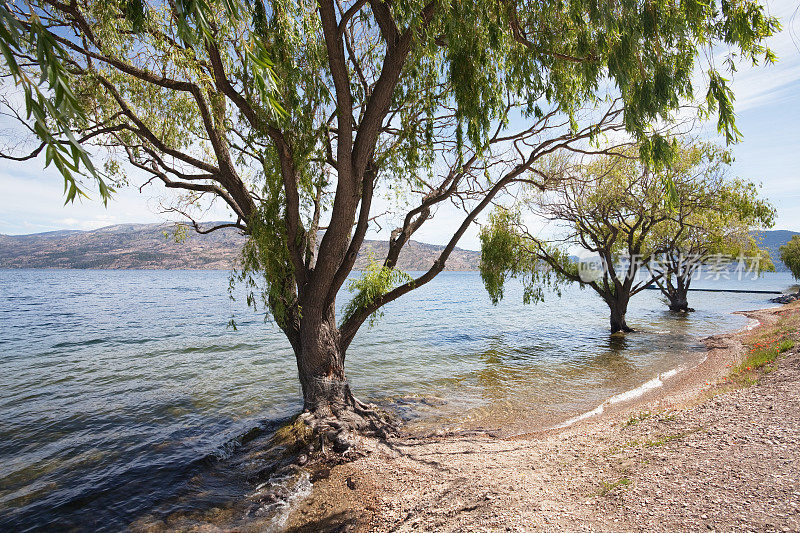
298, 115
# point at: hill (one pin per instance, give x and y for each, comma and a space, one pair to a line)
152, 246
772, 241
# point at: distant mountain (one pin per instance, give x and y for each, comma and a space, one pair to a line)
152, 246
772, 241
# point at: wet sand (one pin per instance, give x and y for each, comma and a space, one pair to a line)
691, 454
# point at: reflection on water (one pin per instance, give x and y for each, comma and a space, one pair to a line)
618, 343
124, 398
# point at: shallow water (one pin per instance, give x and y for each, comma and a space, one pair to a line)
123, 396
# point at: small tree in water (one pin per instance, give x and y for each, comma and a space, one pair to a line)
610, 208
711, 225
614, 208
299, 116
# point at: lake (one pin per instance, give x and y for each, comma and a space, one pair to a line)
124, 398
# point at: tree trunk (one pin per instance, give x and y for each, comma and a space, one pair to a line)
678, 301
320, 364
618, 309
677, 295
330, 410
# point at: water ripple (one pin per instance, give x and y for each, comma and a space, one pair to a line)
123, 397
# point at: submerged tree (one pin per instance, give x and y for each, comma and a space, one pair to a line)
609, 207
298, 115
712, 223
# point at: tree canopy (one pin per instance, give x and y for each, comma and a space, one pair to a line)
554, 51
790, 255
715, 214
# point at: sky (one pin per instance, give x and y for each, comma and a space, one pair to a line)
768, 116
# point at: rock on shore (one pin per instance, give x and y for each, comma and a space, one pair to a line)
786, 298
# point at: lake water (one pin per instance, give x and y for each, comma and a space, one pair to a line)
124, 399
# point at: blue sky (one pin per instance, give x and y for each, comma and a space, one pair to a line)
768, 115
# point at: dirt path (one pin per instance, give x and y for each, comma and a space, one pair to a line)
687, 456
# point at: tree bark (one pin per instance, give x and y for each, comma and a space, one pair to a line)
678, 301
320, 365
618, 309
330, 410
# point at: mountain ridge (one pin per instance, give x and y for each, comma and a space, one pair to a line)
151, 246
771, 241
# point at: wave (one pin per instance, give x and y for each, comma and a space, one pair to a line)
654, 383
753, 324
280, 495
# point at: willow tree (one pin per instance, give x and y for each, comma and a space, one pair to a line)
790, 256
610, 207
712, 225
296, 114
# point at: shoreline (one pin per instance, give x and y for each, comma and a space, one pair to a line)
673, 386
374, 492
624, 397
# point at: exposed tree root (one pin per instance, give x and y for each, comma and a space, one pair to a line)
336, 429
316, 440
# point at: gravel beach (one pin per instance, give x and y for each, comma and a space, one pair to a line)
695, 454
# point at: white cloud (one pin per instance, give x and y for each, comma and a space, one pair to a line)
99, 221
760, 85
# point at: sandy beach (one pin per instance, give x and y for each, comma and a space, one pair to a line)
703, 451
